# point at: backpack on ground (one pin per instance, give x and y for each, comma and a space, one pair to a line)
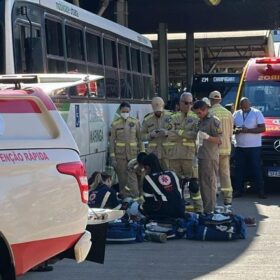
120, 231
214, 227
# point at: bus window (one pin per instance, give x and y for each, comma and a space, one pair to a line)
93, 48
110, 53
148, 87
54, 43
76, 67
97, 70
112, 83
56, 66
146, 63
137, 87
135, 60
28, 49
126, 85
74, 43
123, 52
54, 38
125, 75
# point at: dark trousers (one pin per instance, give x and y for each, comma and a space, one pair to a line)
248, 160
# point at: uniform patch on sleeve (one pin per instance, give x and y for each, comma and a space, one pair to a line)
217, 124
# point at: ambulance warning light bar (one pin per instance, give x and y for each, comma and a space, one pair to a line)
48, 82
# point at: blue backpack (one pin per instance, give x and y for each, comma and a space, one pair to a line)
125, 232
214, 227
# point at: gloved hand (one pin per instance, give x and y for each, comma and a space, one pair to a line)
133, 210
203, 135
114, 162
162, 132
153, 134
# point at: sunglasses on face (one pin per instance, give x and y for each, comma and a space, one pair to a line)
187, 103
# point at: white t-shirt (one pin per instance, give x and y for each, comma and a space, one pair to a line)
249, 120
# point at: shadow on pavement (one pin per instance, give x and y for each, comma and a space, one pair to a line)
179, 259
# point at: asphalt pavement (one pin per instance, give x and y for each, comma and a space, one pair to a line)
256, 257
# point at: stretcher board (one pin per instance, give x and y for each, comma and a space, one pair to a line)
100, 216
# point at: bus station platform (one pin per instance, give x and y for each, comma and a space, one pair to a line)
256, 257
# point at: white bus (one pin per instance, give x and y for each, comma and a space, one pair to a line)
53, 36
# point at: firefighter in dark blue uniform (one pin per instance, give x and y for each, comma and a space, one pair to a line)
162, 192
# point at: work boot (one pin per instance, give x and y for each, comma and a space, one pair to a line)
228, 209
250, 221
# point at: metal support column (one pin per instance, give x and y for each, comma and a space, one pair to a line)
122, 12
201, 57
163, 61
190, 59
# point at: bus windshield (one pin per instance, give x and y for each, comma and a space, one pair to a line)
264, 96
2, 2
226, 84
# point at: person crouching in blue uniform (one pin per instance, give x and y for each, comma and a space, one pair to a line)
101, 195
161, 191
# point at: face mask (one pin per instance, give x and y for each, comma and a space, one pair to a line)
125, 115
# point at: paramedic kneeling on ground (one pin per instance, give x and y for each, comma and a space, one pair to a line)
249, 124
162, 192
101, 195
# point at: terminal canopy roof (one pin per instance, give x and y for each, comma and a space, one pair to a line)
197, 16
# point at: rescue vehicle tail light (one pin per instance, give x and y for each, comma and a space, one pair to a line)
93, 86
77, 170
268, 60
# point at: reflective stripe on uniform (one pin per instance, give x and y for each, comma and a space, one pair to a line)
195, 197
155, 187
118, 144
133, 144
204, 233
152, 144
224, 151
105, 199
112, 154
177, 183
188, 144
180, 132
226, 189
147, 194
168, 144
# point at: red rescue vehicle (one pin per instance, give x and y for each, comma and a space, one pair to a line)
260, 82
